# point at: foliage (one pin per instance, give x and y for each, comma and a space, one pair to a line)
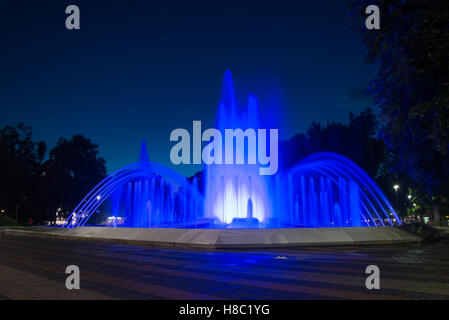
72, 170
412, 88
356, 141
6, 221
31, 188
18, 167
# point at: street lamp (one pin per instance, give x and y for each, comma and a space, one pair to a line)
410, 212
396, 187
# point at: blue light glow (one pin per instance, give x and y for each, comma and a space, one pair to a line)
322, 190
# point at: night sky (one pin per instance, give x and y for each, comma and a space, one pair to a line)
139, 69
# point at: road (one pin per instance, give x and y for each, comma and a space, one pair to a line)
34, 268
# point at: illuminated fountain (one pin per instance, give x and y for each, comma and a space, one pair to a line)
237, 195
328, 190
322, 190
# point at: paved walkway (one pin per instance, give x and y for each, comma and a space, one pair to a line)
34, 268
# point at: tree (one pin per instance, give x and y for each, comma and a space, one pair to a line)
412, 88
356, 141
41, 150
74, 167
18, 167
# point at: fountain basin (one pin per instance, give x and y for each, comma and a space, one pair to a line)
228, 238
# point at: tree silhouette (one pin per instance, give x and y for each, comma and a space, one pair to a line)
412, 89
18, 167
356, 140
72, 170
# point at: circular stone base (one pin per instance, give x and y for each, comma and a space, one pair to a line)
227, 238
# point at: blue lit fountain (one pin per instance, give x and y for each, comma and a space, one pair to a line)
236, 195
322, 190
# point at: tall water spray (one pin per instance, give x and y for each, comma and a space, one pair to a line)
236, 194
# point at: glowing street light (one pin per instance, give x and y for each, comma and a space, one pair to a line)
98, 197
396, 187
409, 200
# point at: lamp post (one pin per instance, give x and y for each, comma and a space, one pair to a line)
396, 187
409, 205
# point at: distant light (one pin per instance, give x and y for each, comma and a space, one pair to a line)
98, 197
414, 204
409, 196
115, 220
396, 187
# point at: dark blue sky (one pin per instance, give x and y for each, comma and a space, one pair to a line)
139, 69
